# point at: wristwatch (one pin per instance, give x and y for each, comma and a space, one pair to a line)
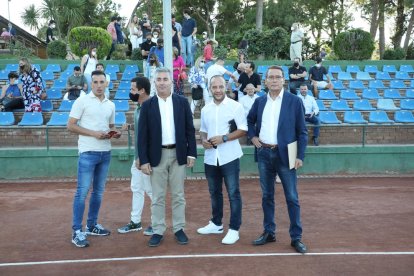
225, 138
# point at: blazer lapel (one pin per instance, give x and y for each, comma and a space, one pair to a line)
260, 110
283, 109
176, 111
156, 111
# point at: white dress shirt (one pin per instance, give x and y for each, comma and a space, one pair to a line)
270, 119
167, 120
247, 102
310, 104
215, 121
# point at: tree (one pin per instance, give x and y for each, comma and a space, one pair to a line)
259, 15
409, 30
202, 11
31, 17
399, 25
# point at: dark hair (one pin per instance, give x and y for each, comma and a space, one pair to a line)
119, 18
160, 40
97, 73
76, 68
99, 64
252, 65
187, 11
52, 22
235, 65
242, 44
172, 15
275, 67
113, 18
153, 55
318, 59
12, 75
142, 83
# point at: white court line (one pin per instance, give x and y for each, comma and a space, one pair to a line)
203, 256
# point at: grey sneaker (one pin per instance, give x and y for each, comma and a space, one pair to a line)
97, 230
79, 239
131, 226
148, 231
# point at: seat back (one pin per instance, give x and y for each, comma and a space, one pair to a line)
120, 118
128, 76
59, 84
406, 68
46, 105
386, 104
121, 105
338, 84
389, 68
407, 104
398, 84
344, 76
370, 94
328, 117
363, 76
124, 85
349, 94
379, 117
402, 76
340, 105
6, 119
378, 84
31, 119
11, 67
121, 94
392, 94
409, 93
65, 106
404, 116
356, 84
53, 67
54, 94
363, 104
352, 69
371, 68
114, 68
334, 69
58, 119
354, 117
383, 76
327, 95
131, 68
321, 105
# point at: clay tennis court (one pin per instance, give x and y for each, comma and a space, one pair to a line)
352, 226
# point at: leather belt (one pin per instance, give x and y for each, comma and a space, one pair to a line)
269, 146
295, 42
168, 146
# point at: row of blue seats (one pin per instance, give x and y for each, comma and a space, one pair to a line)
56, 94
57, 119
56, 68
372, 94
376, 117
123, 84
364, 104
66, 105
378, 84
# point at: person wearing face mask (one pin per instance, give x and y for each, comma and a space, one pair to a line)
316, 74
231, 84
158, 50
152, 66
297, 75
88, 65
187, 33
176, 39
242, 51
296, 39
197, 80
49, 32
146, 46
32, 86
154, 36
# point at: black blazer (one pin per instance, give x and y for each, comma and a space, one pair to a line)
150, 137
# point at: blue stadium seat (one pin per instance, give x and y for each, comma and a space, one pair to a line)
403, 116
4, 75
340, 105
386, 104
112, 68
37, 66
71, 67
338, 84
112, 76
229, 68
65, 106
392, 94
363, 104
328, 117
124, 85
349, 94
54, 68
330, 77
379, 117
54, 94
371, 69
6, 118
383, 76
345, 76
363, 76
32, 119
352, 69
327, 95
46, 105
11, 67
356, 84
397, 84
402, 76
406, 68
48, 75
377, 84
65, 75
412, 84
261, 69
127, 76
354, 117
121, 94
131, 68
121, 105
120, 118
409, 93
389, 68
334, 69
111, 85
321, 105
407, 104
59, 84
370, 94
58, 119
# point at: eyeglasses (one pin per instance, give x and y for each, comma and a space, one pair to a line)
274, 77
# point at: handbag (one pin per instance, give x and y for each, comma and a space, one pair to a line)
197, 93
182, 75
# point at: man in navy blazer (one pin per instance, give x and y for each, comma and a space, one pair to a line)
166, 145
274, 121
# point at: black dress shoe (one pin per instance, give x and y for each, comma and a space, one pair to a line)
264, 238
315, 141
181, 237
299, 246
155, 240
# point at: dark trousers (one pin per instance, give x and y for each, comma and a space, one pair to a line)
16, 103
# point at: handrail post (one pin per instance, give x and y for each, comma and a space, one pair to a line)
47, 138
363, 136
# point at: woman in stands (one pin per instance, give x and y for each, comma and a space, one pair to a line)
135, 33
178, 68
153, 64
11, 96
197, 78
88, 65
32, 86
242, 51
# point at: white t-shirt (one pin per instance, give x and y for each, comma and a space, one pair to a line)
96, 115
214, 70
90, 66
247, 103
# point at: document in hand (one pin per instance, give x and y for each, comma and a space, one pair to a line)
292, 153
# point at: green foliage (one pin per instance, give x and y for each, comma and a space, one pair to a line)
410, 51
221, 52
354, 44
81, 39
154, 10
120, 52
20, 50
271, 43
232, 54
136, 54
102, 13
394, 54
56, 49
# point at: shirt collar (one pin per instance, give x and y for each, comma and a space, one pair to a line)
169, 98
90, 94
279, 96
224, 102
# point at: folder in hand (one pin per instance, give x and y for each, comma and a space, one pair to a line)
292, 153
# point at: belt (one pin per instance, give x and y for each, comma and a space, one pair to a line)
295, 42
269, 146
168, 146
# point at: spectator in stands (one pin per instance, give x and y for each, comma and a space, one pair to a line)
222, 158
297, 75
178, 69
135, 33
146, 47
176, 39
208, 52
158, 50
204, 36
76, 85
234, 86
100, 67
151, 68
140, 183
49, 32
119, 32
175, 24
249, 99
274, 121
165, 150
12, 32
316, 74
32, 86
218, 69
197, 80
155, 36
242, 51
145, 24
92, 117
311, 112
296, 39
188, 31
323, 54
5, 35
11, 95
88, 65
249, 76
112, 32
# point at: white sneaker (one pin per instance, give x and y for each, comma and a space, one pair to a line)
231, 237
210, 228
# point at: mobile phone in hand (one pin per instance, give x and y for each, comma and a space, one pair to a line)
112, 133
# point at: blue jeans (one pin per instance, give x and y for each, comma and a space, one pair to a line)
315, 121
269, 165
92, 167
215, 175
186, 49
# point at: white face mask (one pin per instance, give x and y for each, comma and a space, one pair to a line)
318, 65
155, 35
94, 53
292, 28
202, 64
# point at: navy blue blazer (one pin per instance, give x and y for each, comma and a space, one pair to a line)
150, 136
292, 126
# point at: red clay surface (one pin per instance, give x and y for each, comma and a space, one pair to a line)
338, 215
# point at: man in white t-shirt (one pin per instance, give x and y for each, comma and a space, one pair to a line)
92, 117
217, 69
248, 100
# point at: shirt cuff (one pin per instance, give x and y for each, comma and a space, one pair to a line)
191, 157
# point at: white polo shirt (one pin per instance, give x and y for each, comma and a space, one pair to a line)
96, 115
215, 121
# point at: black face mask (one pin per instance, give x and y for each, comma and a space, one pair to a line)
149, 40
160, 46
21, 67
239, 71
134, 97
296, 64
